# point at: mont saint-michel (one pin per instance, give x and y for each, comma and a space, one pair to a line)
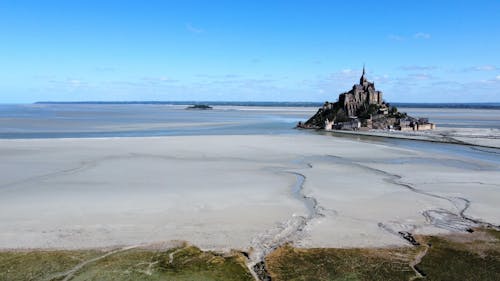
363, 108
157, 140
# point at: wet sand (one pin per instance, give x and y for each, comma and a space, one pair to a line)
481, 137
240, 192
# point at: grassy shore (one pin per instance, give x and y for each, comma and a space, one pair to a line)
474, 256
185, 263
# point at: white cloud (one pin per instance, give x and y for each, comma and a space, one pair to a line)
418, 35
158, 79
417, 67
382, 79
344, 75
420, 76
483, 68
193, 29
422, 35
486, 67
395, 37
104, 69
70, 82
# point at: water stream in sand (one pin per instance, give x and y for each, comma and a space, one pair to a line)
310, 203
452, 219
287, 231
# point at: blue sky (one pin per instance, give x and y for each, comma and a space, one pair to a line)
415, 51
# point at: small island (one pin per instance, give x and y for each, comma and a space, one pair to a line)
200, 107
362, 108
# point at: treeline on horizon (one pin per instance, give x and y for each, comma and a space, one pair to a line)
492, 105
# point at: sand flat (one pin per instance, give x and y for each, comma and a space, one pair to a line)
221, 192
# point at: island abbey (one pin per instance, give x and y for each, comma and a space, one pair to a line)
360, 95
363, 108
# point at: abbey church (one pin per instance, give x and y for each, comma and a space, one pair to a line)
360, 96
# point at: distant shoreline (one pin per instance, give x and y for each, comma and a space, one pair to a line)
492, 105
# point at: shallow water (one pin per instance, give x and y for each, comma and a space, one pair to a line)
136, 120
132, 120
458, 117
128, 120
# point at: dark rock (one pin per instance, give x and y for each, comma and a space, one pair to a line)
200, 106
261, 271
245, 254
409, 237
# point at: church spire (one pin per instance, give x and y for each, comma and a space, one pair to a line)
362, 80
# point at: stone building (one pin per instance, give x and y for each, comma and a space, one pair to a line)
412, 124
360, 96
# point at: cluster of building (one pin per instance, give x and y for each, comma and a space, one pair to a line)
413, 124
363, 108
398, 124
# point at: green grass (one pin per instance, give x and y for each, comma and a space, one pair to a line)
39, 265
461, 257
189, 263
473, 256
449, 260
288, 263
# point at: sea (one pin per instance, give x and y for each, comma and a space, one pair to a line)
141, 119
136, 119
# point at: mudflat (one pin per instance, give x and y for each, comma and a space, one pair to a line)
234, 192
